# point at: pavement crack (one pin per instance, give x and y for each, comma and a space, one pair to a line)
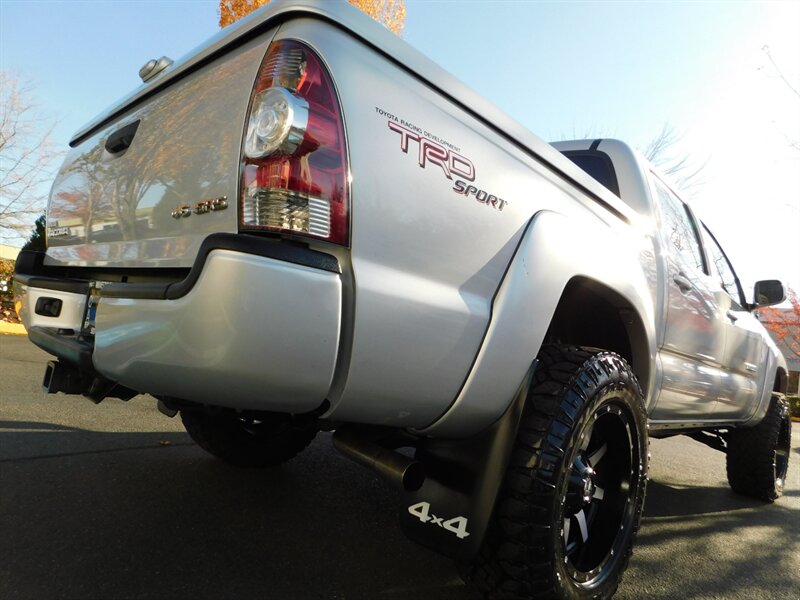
87, 452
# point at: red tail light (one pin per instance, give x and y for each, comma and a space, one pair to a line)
294, 168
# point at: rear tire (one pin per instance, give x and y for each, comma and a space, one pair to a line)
263, 441
570, 506
758, 457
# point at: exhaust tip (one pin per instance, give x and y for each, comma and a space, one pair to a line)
397, 468
413, 477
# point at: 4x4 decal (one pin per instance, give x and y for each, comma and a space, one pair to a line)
456, 525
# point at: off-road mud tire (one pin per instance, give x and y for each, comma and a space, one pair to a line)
526, 553
758, 457
267, 441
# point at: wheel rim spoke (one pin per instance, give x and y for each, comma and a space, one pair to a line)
598, 493
587, 436
597, 455
567, 524
581, 518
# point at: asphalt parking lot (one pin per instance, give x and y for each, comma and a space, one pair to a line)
115, 501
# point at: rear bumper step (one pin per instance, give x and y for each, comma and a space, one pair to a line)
69, 347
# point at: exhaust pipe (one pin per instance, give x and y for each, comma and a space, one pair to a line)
400, 470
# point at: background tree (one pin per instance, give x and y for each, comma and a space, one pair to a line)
38, 236
774, 70
7, 291
662, 151
785, 325
390, 13
26, 158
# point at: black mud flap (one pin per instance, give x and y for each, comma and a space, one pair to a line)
450, 512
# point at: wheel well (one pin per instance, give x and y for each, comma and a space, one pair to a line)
781, 381
591, 314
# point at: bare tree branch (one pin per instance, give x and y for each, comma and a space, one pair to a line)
687, 173
26, 158
765, 49
792, 141
661, 151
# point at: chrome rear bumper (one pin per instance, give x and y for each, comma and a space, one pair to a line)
243, 330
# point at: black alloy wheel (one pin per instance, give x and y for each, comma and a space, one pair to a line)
566, 518
598, 494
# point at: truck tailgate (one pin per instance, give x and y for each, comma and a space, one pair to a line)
148, 188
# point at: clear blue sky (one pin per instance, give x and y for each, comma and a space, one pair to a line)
563, 69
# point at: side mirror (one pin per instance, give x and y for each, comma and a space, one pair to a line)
769, 292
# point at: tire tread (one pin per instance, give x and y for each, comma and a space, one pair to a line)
750, 454
512, 564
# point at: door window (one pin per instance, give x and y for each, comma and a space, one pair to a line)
721, 268
680, 229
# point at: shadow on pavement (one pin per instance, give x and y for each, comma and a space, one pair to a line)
149, 515
707, 542
669, 501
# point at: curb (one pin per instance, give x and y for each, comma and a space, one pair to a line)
12, 328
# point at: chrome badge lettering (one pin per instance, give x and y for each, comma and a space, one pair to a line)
481, 196
181, 211
54, 232
200, 208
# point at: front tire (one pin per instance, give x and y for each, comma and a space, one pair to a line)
247, 441
573, 496
758, 457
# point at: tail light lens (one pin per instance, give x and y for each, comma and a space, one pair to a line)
294, 165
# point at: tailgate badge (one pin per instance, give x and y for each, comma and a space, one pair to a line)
200, 208
181, 211
54, 232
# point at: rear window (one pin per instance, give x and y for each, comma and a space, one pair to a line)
596, 164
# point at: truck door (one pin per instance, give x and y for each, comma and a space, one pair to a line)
693, 346
744, 364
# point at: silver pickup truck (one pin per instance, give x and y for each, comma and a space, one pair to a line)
306, 226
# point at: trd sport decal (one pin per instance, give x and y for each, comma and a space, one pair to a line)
434, 150
431, 152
